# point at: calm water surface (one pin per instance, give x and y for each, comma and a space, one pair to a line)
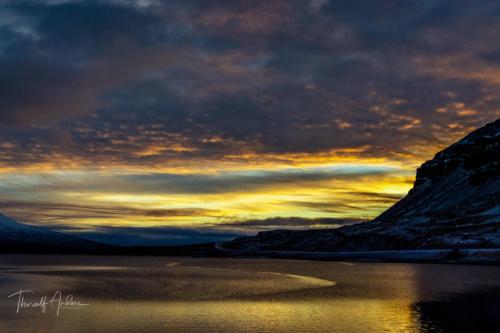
171, 294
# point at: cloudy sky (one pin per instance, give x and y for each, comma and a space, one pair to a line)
182, 121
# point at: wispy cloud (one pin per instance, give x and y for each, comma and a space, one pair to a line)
289, 223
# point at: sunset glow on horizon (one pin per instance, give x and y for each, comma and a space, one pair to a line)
189, 121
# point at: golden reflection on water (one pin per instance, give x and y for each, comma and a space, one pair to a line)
228, 295
364, 315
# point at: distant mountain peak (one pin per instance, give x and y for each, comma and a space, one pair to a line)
19, 237
10, 223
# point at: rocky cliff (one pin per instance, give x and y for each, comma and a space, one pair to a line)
454, 203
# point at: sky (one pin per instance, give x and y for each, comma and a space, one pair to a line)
171, 122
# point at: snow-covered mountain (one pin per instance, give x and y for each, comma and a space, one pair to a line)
18, 237
454, 203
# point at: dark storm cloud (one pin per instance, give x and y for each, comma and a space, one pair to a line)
49, 66
102, 81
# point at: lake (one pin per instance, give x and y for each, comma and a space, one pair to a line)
179, 294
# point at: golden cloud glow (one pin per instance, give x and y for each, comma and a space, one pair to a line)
310, 196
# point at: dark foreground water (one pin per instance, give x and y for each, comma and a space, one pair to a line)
168, 294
